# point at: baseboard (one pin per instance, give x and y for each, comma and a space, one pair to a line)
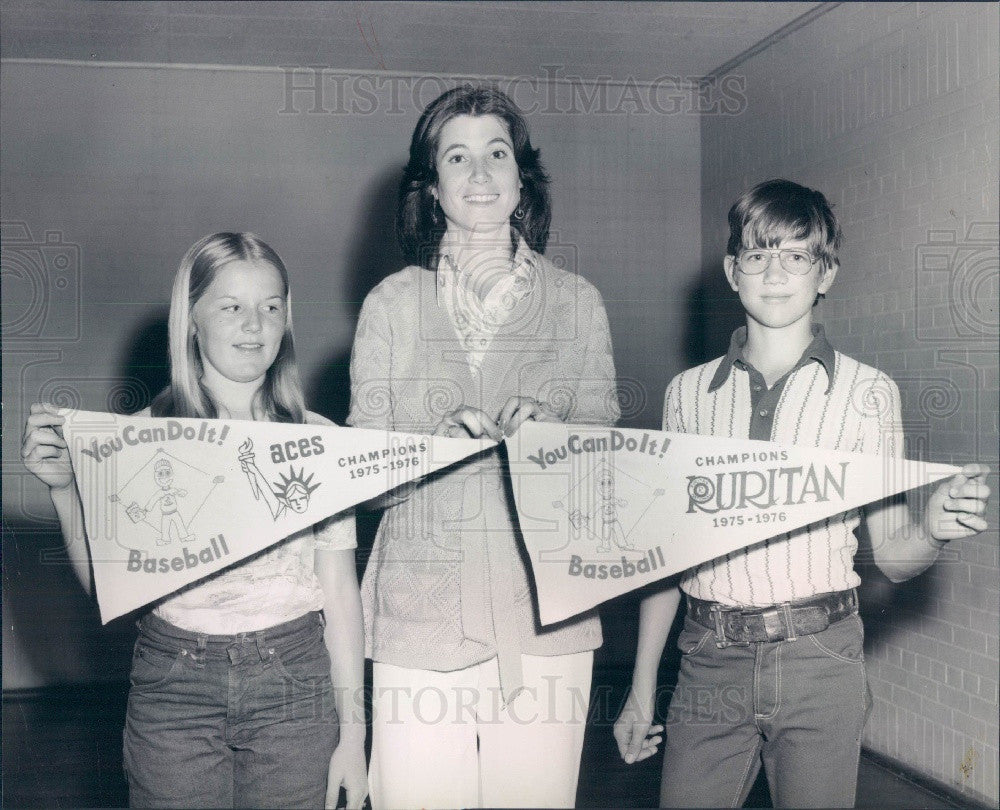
929, 783
98, 690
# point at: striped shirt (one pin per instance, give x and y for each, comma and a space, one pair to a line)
827, 400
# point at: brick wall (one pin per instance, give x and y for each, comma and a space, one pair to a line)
891, 110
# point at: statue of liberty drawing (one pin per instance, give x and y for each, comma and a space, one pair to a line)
292, 492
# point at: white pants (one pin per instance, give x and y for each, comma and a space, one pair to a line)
445, 739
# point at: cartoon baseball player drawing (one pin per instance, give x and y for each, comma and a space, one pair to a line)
171, 522
292, 492
611, 527
594, 504
168, 518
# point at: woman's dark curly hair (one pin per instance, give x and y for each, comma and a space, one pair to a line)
420, 222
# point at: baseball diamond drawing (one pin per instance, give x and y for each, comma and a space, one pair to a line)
593, 500
166, 494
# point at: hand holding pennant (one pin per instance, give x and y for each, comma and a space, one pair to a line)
169, 501
604, 511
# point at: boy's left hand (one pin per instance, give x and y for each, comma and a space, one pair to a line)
347, 770
955, 509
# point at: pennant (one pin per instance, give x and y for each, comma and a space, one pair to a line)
167, 502
605, 511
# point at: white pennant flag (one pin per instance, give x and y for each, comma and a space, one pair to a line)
169, 501
605, 511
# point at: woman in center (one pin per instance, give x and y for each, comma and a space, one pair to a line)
475, 703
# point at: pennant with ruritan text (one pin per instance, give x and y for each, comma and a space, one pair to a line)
604, 511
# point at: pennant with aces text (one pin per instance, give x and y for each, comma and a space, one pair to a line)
167, 502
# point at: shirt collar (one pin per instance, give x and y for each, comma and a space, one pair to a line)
819, 349
524, 264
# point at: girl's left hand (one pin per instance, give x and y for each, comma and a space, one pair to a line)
518, 410
347, 770
955, 509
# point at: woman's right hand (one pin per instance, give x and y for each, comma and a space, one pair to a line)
465, 422
44, 450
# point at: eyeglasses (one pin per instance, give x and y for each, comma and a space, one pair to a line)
755, 261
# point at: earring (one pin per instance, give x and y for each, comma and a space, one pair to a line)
519, 213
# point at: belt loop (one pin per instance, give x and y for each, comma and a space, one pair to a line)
720, 630
259, 641
786, 613
198, 655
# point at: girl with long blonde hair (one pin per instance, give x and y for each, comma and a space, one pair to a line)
243, 682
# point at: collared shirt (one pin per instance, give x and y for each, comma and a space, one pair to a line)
827, 400
764, 400
477, 319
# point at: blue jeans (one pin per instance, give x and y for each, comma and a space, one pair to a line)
230, 721
798, 707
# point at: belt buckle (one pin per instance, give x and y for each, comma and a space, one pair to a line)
779, 615
720, 629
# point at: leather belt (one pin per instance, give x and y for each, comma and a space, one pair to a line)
782, 622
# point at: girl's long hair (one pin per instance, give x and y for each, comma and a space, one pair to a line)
279, 398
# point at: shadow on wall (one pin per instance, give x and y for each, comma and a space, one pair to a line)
888, 609
58, 626
145, 365
714, 311
373, 255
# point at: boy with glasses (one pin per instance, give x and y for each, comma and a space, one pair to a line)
773, 668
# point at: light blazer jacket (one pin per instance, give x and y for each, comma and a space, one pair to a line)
448, 585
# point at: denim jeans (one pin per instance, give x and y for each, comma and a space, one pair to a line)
230, 721
798, 707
